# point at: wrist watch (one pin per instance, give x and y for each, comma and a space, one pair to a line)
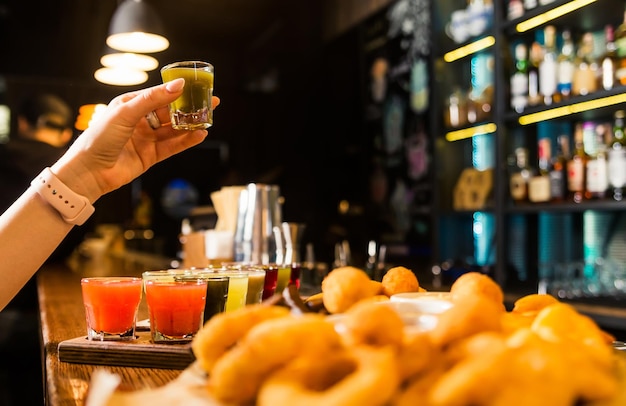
74, 208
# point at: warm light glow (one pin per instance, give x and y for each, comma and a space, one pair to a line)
471, 132
88, 113
469, 49
129, 60
141, 42
551, 15
571, 109
121, 76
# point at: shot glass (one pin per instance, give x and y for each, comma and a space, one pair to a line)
216, 294
111, 305
217, 285
271, 278
296, 271
284, 276
193, 109
175, 305
256, 279
256, 283
237, 285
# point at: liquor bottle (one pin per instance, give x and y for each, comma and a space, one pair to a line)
596, 180
539, 186
576, 167
548, 66
519, 79
535, 57
617, 157
520, 177
565, 70
530, 4
515, 9
608, 64
558, 173
585, 81
620, 45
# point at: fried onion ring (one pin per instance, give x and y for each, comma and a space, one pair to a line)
373, 323
239, 374
223, 331
362, 376
471, 315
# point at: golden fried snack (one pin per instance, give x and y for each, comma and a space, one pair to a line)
513, 321
416, 354
501, 375
476, 283
533, 303
470, 314
239, 374
590, 369
560, 320
474, 345
345, 286
374, 324
416, 391
223, 331
399, 280
524, 311
377, 287
361, 376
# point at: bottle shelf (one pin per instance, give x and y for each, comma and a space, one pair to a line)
588, 107
561, 207
582, 15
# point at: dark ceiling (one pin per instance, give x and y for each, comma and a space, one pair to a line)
61, 41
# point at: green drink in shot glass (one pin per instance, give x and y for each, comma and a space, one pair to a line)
284, 275
193, 109
256, 282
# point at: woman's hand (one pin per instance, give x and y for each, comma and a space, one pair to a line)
121, 145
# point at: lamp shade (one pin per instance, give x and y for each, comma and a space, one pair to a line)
136, 27
121, 76
129, 60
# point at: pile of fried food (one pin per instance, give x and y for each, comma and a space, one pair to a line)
542, 352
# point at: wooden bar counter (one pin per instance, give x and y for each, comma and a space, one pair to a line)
63, 318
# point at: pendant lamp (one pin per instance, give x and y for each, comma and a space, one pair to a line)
121, 76
136, 27
129, 60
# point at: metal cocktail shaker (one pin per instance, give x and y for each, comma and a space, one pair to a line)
260, 209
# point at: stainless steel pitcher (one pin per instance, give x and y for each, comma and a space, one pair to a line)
260, 209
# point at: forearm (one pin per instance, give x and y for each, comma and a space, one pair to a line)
30, 230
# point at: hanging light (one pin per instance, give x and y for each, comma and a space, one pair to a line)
121, 76
129, 60
136, 27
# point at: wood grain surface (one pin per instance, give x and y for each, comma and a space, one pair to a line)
140, 352
63, 318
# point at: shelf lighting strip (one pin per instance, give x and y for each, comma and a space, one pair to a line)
572, 109
551, 15
471, 132
469, 49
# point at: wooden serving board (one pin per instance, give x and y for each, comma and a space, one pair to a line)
140, 352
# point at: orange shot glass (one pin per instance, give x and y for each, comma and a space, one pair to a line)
176, 308
111, 305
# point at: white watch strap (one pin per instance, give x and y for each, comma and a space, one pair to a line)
74, 208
